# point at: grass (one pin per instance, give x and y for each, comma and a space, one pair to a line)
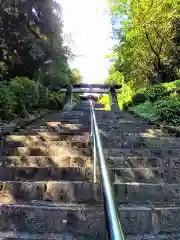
147, 110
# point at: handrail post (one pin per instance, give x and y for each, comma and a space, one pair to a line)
94, 157
94, 154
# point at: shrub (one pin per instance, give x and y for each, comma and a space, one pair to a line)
156, 92
25, 93
7, 103
168, 110
139, 98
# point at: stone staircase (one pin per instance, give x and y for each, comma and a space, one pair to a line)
47, 189
143, 162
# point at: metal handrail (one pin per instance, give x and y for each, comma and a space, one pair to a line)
113, 223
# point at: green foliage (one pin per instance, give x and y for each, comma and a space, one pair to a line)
147, 34
168, 110
105, 100
146, 109
163, 104
156, 92
54, 100
125, 96
7, 103
31, 35
139, 98
25, 94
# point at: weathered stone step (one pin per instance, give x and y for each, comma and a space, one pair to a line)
75, 220
46, 151
138, 192
143, 162
119, 175
120, 122
65, 235
44, 161
66, 132
147, 219
38, 142
74, 236
154, 236
125, 134
45, 136
143, 138
88, 220
84, 121
77, 113
146, 175
52, 173
85, 191
82, 161
135, 144
141, 152
63, 125
53, 191
133, 129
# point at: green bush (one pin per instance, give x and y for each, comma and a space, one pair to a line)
25, 92
55, 100
49, 99
168, 110
7, 103
139, 98
156, 92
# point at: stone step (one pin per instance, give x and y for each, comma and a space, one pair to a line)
154, 236
38, 142
65, 220
128, 134
88, 221
137, 192
84, 109
45, 136
63, 125
118, 175
146, 219
65, 235
52, 173
63, 130
123, 124
77, 113
76, 121
50, 151
143, 138
74, 236
82, 161
146, 175
133, 129
87, 191
39, 131
44, 161
52, 191
120, 122
143, 162
121, 152
135, 144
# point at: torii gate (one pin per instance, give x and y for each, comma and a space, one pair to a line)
93, 88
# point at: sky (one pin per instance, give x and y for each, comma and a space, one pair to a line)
90, 28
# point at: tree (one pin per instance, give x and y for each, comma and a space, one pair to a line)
145, 34
29, 32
